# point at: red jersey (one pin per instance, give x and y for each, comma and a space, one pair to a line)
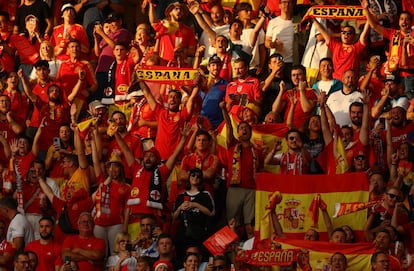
137, 200
19, 105
146, 113
183, 37
345, 57
7, 247
90, 243
61, 35
249, 86
41, 93
24, 163
118, 195
168, 133
7, 61
123, 76
134, 145
47, 254
299, 116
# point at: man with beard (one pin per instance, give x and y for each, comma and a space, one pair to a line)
382, 259
134, 144
242, 162
46, 248
296, 160
305, 96
170, 120
54, 112
171, 32
75, 197
340, 101
148, 183
8, 126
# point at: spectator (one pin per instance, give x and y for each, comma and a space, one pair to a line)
85, 249
306, 97
339, 262
41, 12
67, 31
19, 105
169, 38
326, 83
145, 245
345, 53
19, 232
47, 53
123, 256
6, 248
104, 46
242, 162
21, 261
8, 51
46, 248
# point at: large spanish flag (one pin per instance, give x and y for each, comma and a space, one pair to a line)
299, 192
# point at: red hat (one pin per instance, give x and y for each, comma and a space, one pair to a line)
154, 151
163, 263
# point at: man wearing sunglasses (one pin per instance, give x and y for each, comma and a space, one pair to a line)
390, 211
345, 53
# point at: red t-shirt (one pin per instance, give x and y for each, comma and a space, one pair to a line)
168, 133
118, 195
134, 145
90, 243
249, 86
48, 255
41, 93
137, 200
7, 247
345, 57
19, 105
75, 32
123, 76
299, 116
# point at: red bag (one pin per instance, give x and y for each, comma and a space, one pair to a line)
27, 52
219, 242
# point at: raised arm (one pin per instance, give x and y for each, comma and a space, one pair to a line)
322, 30
184, 134
363, 37
78, 86
195, 9
148, 95
6, 147
26, 86
326, 131
255, 33
307, 105
364, 132
80, 150
36, 140
229, 127
278, 104
129, 157
373, 22
152, 16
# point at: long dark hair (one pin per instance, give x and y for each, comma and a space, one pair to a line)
198, 172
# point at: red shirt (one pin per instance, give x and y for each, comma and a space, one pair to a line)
48, 255
53, 119
7, 247
144, 113
19, 105
74, 32
345, 57
118, 195
68, 75
249, 86
135, 146
41, 93
299, 116
123, 76
183, 37
137, 200
168, 133
90, 243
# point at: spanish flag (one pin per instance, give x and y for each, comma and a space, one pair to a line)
299, 192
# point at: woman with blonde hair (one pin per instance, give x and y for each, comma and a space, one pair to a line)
47, 52
123, 255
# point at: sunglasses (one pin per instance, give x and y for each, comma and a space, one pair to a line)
218, 267
359, 158
397, 197
347, 32
291, 138
193, 174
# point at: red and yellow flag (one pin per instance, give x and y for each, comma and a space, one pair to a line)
298, 193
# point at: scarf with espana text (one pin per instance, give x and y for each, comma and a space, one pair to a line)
236, 176
395, 45
334, 12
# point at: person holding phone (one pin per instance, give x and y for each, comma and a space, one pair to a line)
123, 257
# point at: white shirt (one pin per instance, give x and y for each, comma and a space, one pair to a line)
204, 39
339, 103
284, 31
20, 227
255, 62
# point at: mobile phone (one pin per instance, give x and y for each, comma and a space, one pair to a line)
243, 101
128, 247
67, 259
382, 121
56, 142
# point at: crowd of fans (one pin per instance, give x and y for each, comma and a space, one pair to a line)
101, 170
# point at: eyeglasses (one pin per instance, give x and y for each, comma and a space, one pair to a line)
193, 174
397, 197
347, 32
218, 267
